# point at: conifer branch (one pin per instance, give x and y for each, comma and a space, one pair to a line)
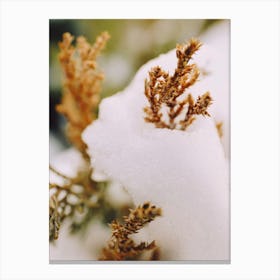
79, 198
71, 198
163, 90
82, 84
121, 246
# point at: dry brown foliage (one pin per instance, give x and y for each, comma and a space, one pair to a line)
163, 90
79, 199
74, 196
82, 84
121, 246
219, 126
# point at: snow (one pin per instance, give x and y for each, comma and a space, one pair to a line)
86, 247
69, 162
70, 246
74, 247
183, 172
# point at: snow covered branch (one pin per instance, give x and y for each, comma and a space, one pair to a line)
155, 158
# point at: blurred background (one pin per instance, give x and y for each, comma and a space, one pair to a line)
132, 43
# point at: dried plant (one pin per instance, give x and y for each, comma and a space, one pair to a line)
165, 92
78, 198
219, 126
82, 84
54, 218
121, 246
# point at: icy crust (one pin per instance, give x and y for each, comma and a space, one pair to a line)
184, 172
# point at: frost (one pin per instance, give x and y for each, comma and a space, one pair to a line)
183, 172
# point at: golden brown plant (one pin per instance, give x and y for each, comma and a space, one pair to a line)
54, 218
163, 90
121, 246
219, 126
79, 195
79, 199
82, 84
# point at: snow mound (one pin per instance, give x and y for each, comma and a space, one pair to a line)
183, 172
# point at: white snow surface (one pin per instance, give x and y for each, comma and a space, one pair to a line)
74, 247
183, 172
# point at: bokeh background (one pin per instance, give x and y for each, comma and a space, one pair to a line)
133, 42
